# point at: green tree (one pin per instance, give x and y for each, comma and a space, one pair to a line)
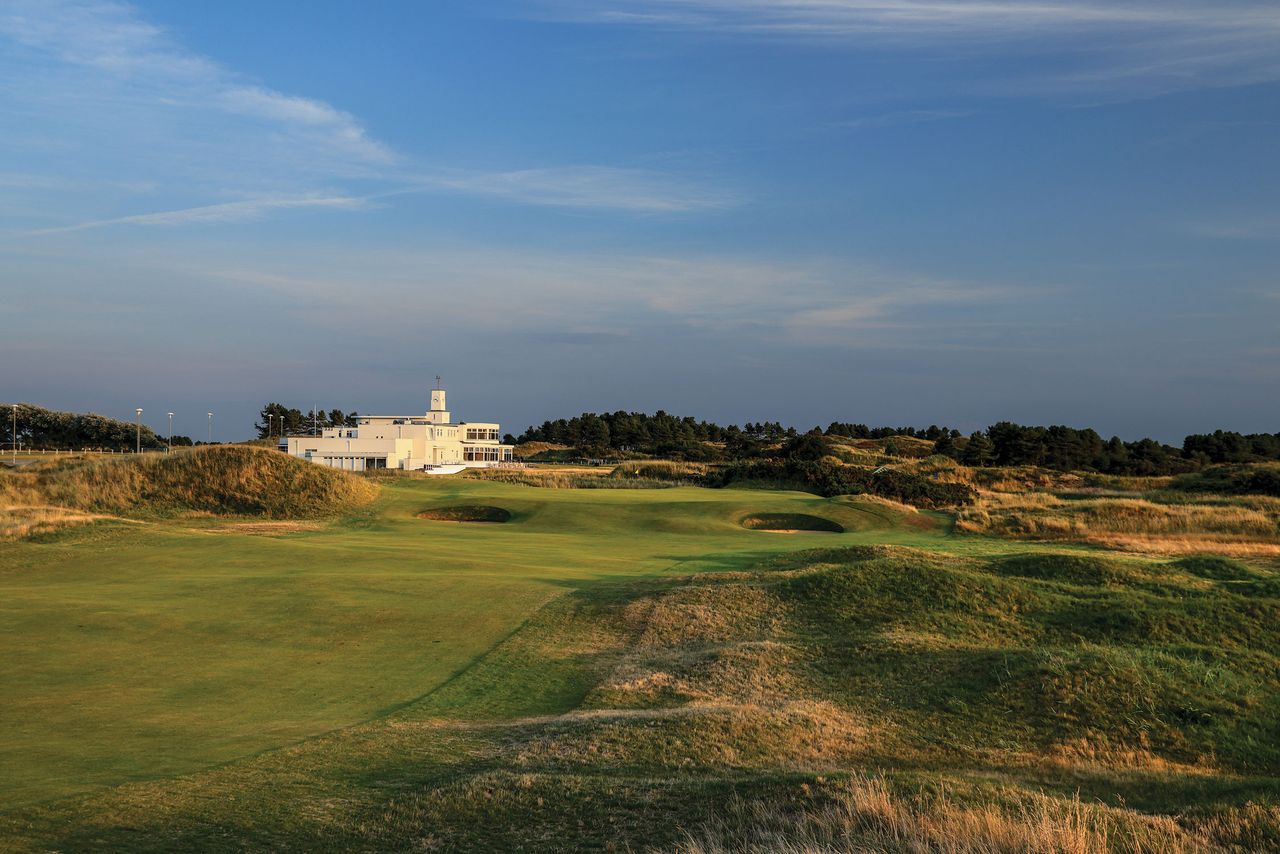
978, 451
593, 435
809, 446
946, 446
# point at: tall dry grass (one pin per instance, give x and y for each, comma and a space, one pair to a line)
229, 480
528, 449
679, 472
864, 815
20, 521
1161, 523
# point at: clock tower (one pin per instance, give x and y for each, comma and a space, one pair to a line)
439, 413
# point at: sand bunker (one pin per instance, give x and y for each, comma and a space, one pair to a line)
791, 523
467, 513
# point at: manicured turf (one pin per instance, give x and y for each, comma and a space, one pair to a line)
131, 652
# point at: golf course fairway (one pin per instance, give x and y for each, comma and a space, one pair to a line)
144, 650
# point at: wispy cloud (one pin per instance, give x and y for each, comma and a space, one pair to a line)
626, 190
881, 302
606, 187
633, 191
1146, 46
114, 42
248, 209
832, 303
987, 19
214, 147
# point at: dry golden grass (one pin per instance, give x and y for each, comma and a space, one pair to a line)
18, 521
1093, 754
888, 504
527, 449
1185, 524
567, 477
660, 470
264, 528
1161, 545
864, 815
873, 452
1126, 483
899, 446
222, 480
1019, 479
1024, 479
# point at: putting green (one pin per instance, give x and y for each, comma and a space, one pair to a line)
131, 652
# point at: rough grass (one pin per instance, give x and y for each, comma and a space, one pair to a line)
1239, 479
19, 521
1157, 522
529, 449
226, 479
660, 470
864, 814
570, 479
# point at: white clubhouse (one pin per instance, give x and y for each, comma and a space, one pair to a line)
430, 442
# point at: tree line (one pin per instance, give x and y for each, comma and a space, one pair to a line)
1069, 449
276, 417
639, 431
659, 434
38, 427
1002, 444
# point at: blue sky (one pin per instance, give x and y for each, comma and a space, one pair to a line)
899, 211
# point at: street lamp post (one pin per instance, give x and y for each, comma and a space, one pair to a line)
15, 434
210, 428
170, 451
138, 434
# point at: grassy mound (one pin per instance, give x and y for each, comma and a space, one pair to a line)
1073, 569
1214, 567
790, 522
224, 480
1239, 479
466, 513
877, 656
